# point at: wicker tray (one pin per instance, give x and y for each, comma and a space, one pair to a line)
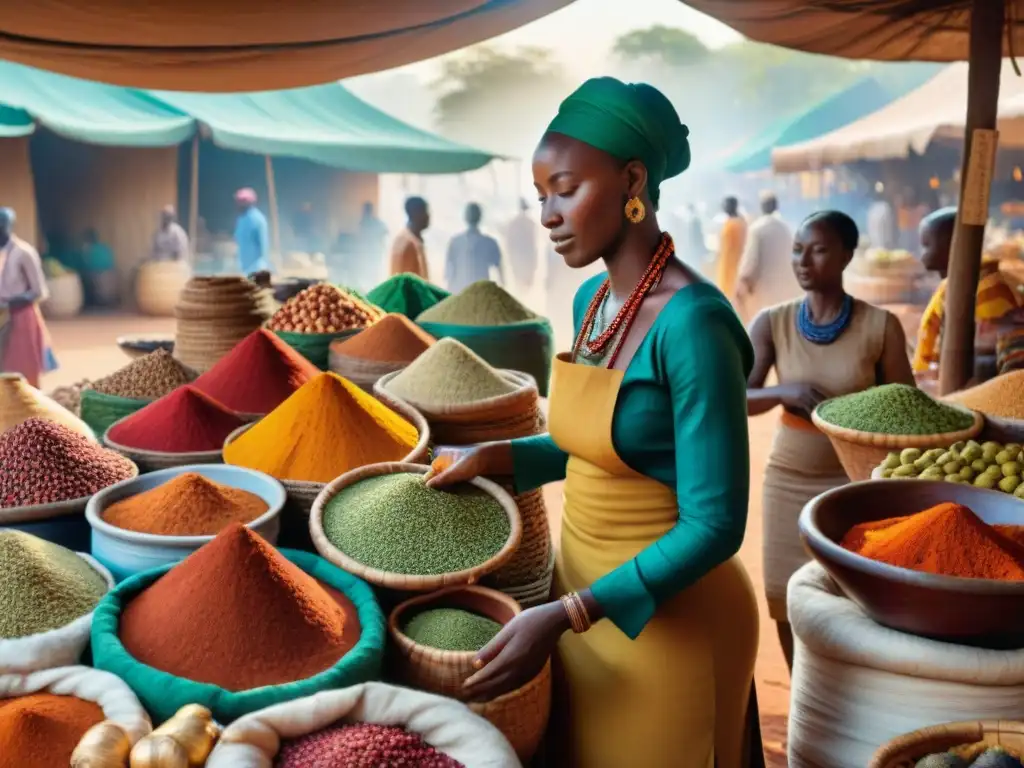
409, 582
860, 452
904, 751
11, 515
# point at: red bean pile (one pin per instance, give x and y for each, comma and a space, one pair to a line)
361, 746
42, 462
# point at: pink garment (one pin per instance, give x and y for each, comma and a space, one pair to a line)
23, 344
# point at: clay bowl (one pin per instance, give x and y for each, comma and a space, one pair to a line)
975, 612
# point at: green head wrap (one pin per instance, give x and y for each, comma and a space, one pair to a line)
633, 121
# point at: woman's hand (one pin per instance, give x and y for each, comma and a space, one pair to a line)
488, 459
802, 398
518, 653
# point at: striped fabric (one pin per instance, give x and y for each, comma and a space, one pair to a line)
995, 299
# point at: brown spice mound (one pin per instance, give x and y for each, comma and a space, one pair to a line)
1002, 397
42, 730
236, 613
948, 540
392, 339
188, 505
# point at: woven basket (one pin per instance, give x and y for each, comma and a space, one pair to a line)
905, 751
535, 593
213, 315
432, 669
362, 373
151, 461
522, 715
860, 452
407, 582
100, 411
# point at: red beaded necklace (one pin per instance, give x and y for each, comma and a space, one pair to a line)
627, 314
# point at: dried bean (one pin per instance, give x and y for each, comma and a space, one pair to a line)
361, 745
148, 378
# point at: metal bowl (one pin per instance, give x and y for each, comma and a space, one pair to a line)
977, 612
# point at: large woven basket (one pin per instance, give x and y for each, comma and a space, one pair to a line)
535, 592
860, 452
408, 582
522, 715
432, 669
151, 461
906, 750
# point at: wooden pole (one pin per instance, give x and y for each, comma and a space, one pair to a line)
275, 219
193, 200
985, 66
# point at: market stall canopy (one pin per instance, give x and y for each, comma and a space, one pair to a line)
835, 111
227, 46
94, 113
910, 124
325, 124
883, 30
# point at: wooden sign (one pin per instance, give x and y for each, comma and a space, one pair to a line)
974, 195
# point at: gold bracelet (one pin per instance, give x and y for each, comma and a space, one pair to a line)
579, 619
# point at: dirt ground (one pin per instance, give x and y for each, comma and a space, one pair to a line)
86, 348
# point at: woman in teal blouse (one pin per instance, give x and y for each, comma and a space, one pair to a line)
648, 427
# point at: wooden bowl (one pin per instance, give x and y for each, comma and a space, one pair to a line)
905, 751
978, 612
860, 452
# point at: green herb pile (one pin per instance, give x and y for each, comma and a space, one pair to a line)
451, 629
395, 523
482, 303
894, 409
43, 586
446, 374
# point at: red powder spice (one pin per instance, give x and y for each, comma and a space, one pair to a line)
185, 421
237, 614
947, 539
42, 730
392, 339
361, 744
259, 374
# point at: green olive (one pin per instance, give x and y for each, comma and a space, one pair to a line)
910, 455
1009, 484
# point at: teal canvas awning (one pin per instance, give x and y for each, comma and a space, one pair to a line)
842, 108
94, 113
325, 124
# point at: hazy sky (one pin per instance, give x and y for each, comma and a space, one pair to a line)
582, 33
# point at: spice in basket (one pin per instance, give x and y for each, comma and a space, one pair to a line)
43, 463
41, 730
407, 294
446, 375
323, 308
894, 409
947, 539
986, 465
237, 614
185, 421
482, 303
43, 586
146, 378
19, 401
395, 523
451, 629
1002, 397
361, 744
327, 428
978, 755
392, 339
69, 397
188, 505
259, 374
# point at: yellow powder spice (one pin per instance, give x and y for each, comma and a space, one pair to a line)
326, 428
1001, 397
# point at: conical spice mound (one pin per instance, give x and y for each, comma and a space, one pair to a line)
236, 613
19, 401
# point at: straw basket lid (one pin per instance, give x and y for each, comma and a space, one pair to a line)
880, 440
906, 750
410, 582
28, 514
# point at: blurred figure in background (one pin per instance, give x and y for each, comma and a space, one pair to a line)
472, 255
304, 229
521, 242
766, 273
170, 243
251, 234
694, 248
408, 255
98, 271
24, 341
371, 239
881, 223
730, 247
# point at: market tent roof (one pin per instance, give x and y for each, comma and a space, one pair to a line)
935, 110
835, 111
85, 111
227, 46
883, 30
326, 124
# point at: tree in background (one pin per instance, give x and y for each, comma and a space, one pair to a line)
667, 46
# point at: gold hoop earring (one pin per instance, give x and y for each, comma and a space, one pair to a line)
635, 211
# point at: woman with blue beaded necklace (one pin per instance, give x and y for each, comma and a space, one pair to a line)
823, 345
